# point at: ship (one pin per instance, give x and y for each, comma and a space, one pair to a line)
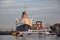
24, 23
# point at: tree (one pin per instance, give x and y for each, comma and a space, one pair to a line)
54, 27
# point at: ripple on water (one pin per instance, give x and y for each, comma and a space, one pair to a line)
46, 37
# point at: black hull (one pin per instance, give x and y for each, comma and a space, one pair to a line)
23, 27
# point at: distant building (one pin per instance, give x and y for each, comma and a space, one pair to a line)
39, 25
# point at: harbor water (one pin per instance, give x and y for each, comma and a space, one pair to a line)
30, 37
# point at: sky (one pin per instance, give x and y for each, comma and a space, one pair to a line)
47, 11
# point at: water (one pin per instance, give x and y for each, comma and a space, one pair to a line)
31, 37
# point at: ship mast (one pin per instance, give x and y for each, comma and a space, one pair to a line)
24, 8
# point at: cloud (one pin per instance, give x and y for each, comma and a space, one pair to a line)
29, 10
14, 5
41, 8
6, 1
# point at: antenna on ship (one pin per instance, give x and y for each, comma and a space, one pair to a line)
24, 8
24, 12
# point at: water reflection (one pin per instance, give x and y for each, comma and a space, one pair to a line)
45, 37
